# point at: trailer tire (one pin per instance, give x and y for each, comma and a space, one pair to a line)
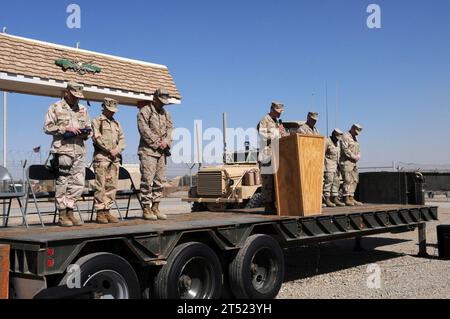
111, 273
193, 271
257, 271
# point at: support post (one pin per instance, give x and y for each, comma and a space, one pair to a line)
358, 244
422, 230
4, 271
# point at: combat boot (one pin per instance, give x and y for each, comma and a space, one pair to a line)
111, 219
101, 218
158, 214
148, 213
337, 202
355, 201
72, 218
64, 220
329, 203
348, 201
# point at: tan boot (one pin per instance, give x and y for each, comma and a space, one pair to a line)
101, 218
329, 203
148, 213
111, 218
355, 201
348, 201
64, 220
72, 218
158, 214
337, 202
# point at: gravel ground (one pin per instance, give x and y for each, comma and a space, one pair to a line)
336, 271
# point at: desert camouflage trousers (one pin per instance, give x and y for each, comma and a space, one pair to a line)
331, 184
153, 171
106, 180
69, 188
268, 188
350, 176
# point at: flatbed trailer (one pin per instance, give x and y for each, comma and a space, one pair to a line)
199, 255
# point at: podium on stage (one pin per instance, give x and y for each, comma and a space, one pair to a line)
299, 165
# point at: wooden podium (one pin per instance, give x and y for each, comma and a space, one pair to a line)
299, 176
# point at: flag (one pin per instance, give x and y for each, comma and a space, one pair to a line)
37, 149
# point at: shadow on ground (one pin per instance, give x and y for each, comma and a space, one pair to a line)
305, 262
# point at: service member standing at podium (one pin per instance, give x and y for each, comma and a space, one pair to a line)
309, 128
350, 156
270, 128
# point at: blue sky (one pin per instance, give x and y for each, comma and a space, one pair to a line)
237, 56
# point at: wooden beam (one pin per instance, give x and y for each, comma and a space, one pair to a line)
4, 271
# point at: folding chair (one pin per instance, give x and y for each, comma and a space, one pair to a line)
90, 175
124, 175
41, 173
9, 193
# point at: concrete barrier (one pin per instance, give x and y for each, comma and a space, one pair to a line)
4, 271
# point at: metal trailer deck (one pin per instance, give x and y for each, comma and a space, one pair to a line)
42, 252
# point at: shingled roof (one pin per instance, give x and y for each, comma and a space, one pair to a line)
28, 66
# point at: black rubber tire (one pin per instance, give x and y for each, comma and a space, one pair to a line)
266, 250
167, 282
255, 202
95, 263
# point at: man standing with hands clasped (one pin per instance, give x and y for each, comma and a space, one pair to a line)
109, 143
155, 127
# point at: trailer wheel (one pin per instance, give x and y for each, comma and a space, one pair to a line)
193, 271
111, 276
257, 271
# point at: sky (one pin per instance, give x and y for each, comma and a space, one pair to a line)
238, 56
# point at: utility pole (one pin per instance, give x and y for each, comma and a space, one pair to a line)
326, 105
4, 128
5, 97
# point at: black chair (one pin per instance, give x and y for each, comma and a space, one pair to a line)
41, 173
8, 193
124, 175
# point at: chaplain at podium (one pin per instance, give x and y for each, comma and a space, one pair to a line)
270, 128
309, 127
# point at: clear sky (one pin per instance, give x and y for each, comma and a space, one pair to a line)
237, 56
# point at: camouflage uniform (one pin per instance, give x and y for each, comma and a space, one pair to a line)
332, 178
307, 130
108, 135
70, 152
154, 127
268, 129
350, 153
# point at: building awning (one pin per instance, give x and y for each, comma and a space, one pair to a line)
40, 68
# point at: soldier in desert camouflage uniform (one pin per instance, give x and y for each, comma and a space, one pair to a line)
69, 124
350, 156
332, 175
309, 127
109, 143
155, 127
269, 129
